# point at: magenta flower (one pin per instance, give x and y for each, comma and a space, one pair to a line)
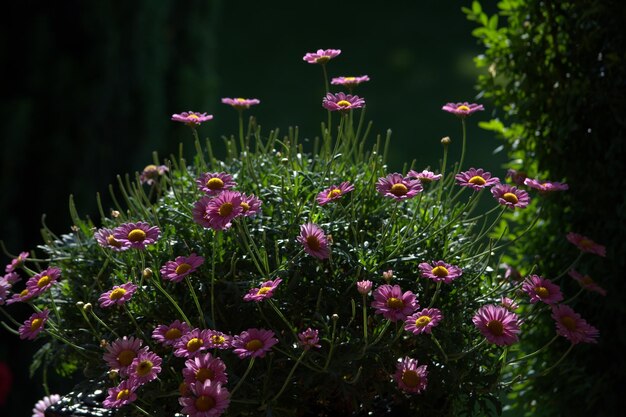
393, 304
586, 245
314, 241
440, 271
182, 266
105, 238
168, 335
572, 327
265, 291
145, 367
205, 367
364, 287
349, 82
136, 235
342, 102
254, 342
334, 192
423, 321
510, 196
542, 289
219, 340
191, 118
476, 179
41, 282
119, 294
4, 291
425, 176
545, 186
217, 213
10, 278
518, 177
213, 183
462, 109
17, 262
398, 187
208, 399
322, 56
25, 295
241, 103
34, 325
192, 343
121, 395
121, 353
497, 324
151, 173
509, 304
44, 403
587, 282
250, 205
410, 377
309, 339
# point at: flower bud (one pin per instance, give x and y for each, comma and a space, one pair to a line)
113, 374
388, 275
115, 214
363, 287
445, 141
147, 273
80, 304
87, 307
335, 317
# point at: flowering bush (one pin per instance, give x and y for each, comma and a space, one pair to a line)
284, 282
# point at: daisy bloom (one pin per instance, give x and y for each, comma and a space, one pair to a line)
105, 238
349, 82
191, 118
545, 186
250, 205
425, 176
217, 213
4, 291
241, 103
145, 367
334, 192
10, 278
497, 324
518, 177
314, 241
398, 187
44, 403
309, 339
208, 399
322, 56
25, 295
586, 245
213, 183
462, 109
410, 377
182, 266
508, 303
192, 343
41, 282
265, 291
17, 262
423, 321
119, 294
542, 289
34, 325
254, 342
364, 287
151, 173
121, 395
169, 334
120, 354
572, 327
205, 367
393, 304
586, 282
476, 179
342, 102
510, 196
136, 235
218, 340
440, 271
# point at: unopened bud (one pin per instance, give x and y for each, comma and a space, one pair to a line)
113, 374
363, 287
335, 317
115, 214
388, 275
446, 140
87, 307
80, 304
147, 273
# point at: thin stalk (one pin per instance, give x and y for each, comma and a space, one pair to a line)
195, 300
295, 365
332, 345
245, 375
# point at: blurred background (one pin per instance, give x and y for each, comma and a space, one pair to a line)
89, 88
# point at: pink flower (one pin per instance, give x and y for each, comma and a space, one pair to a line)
191, 118
168, 335
410, 377
393, 304
440, 271
17, 262
254, 342
497, 324
219, 340
121, 395
265, 291
309, 339
151, 173
250, 205
462, 109
342, 102
476, 179
572, 327
334, 192
241, 103
121, 353
25, 295
4, 291
364, 287
541, 289
10, 278
213, 183
208, 399
398, 187
105, 238
182, 266
512, 273
34, 325
517, 177
423, 321
545, 186
349, 82
586, 245
587, 282
314, 241
205, 367
41, 282
44, 403
136, 235
217, 213
425, 176
145, 367
119, 294
192, 343
510, 196
508, 303
322, 56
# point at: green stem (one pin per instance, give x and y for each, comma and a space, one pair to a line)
437, 290
530, 355
169, 297
332, 345
232, 393
365, 319
547, 371
282, 317
196, 301
463, 146
103, 324
445, 357
295, 365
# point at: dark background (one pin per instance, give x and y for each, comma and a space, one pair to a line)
88, 90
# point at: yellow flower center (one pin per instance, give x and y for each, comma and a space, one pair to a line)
225, 209
204, 403
426, 180
136, 235
440, 271
24, 292
343, 103
217, 339
313, 242
463, 108
263, 290
203, 374
496, 327
117, 293
395, 303
587, 280
245, 206
399, 189
510, 198
150, 167
422, 321
542, 292
410, 378
193, 116
215, 184
194, 344
254, 345
477, 180
36, 323
144, 368
349, 78
173, 333
586, 243
113, 241
322, 60
182, 268
126, 357
123, 394
43, 281
334, 193
239, 99
568, 322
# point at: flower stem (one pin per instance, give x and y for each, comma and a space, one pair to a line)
364, 319
445, 357
295, 365
530, 355
463, 146
245, 375
547, 371
332, 345
196, 301
169, 297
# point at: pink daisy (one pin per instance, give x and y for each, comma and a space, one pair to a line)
219, 340
191, 118
476, 179
217, 213
17, 262
309, 339
34, 325
213, 183
10, 278
342, 102
497, 324
254, 342
545, 186
542, 289
208, 399
44, 403
423, 321
393, 304
572, 327
425, 176
182, 266
509, 304
145, 367
510, 196
192, 343
517, 177
265, 291
440, 271
4, 291
136, 235
314, 241
121, 395
586, 245
25, 295
334, 192
250, 205
168, 335
105, 238
410, 377
41, 282
349, 82
119, 294
120, 354
151, 173
587, 282
364, 287
462, 109
241, 103
322, 56
205, 367
398, 187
